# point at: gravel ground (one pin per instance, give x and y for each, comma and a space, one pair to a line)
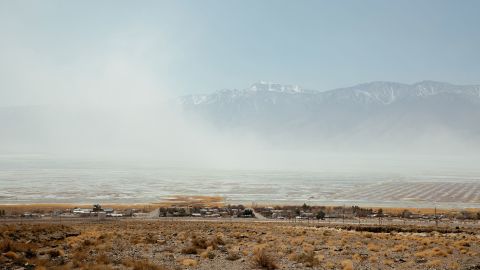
230, 245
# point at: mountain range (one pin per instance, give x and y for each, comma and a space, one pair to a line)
427, 113
379, 116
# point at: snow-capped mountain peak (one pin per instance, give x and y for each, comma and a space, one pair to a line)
275, 87
369, 113
379, 93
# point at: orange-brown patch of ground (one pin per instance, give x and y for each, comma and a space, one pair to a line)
185, 200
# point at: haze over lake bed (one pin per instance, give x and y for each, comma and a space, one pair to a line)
49, 181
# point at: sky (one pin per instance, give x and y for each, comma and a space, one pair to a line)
59, 51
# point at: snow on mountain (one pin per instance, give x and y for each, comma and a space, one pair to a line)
372, 111
275, 87
381, 93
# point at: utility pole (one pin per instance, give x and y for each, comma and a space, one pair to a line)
343, 214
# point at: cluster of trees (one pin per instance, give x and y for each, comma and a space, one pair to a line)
468, 215
362, 212
173, 211
320, 215
241, 211
321, 212
246, 213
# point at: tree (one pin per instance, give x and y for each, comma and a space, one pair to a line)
248, 212
406, 214
321, 215
97, 208
466, 215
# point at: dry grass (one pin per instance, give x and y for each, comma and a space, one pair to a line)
373, 247
184, 201
307, 256
189, 262
180, 245
434, 252
399, 248
434, 263
142, 265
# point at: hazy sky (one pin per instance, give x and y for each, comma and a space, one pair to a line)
52, 50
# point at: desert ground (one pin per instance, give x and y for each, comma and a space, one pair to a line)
174, 244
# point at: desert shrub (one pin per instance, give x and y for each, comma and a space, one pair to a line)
233, 255
189, 262
373, 247
208, 253
9, 245
88, 242
359, 257
262, 258
329, 265
6, 245
102, 258
439, 252
307, 257
199, 242
142, 265
55, 253
150, 239
435, 252
11, 255
399, 248
79, 257
217, 241
189, 250
17, 258
347, 265
454, 265
30, 254
462, 243
434, 263
388, 262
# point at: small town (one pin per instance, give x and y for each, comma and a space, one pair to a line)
351, 214
101, 213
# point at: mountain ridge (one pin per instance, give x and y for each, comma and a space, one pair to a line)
389, 112
382, 91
